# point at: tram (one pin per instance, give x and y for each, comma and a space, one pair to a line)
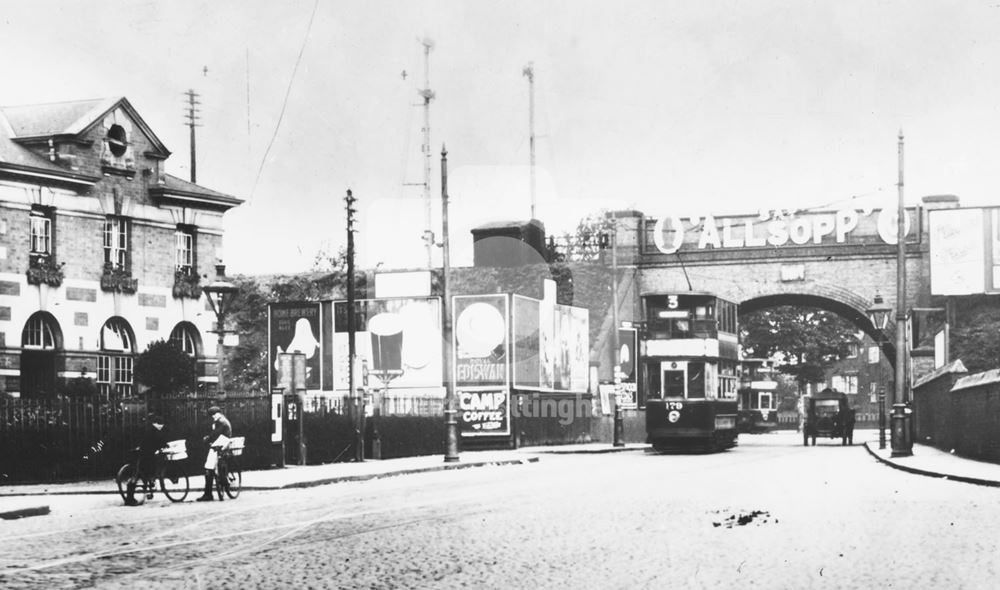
689, 355
758, 408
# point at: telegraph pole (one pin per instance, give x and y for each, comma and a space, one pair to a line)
427, 95
451, 425
618, 431
529, 71
192, 121
359, 402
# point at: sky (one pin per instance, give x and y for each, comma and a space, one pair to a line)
681, 107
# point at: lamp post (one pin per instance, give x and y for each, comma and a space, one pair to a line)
902, 443
618, 427
220, 293
450, 421
879, 314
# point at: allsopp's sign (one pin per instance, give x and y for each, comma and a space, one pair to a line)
777, 229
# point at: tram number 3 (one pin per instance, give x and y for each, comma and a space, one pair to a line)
672, 302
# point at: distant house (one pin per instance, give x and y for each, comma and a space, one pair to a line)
861, 375
101, 251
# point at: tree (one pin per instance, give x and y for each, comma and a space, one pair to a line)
806, 341
164, 368
975, 339
584, 244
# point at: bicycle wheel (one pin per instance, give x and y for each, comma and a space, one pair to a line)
234, 481
175, 483
127, 473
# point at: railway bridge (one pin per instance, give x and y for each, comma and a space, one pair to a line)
837, 260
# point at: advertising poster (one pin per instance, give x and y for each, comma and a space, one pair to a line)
628, 344
579, 357
551, 347
295, 327
957, 252
481, 364
480, 326
547, 352
397, 341
527, 369
484, 412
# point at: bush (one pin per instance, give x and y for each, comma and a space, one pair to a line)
164, 368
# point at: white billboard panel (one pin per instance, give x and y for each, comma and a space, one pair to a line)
957, 251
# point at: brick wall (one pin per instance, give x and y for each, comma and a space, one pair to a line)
933, 409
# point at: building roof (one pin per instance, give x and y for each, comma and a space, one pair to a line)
177, 189
58, 118
21, 160
21, 126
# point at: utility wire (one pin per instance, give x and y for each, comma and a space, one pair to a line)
284, 102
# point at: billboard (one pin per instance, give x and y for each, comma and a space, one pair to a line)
965, 251
551, 346
295, 327
482, 364
397, 341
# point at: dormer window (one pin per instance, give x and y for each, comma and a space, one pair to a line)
117, 140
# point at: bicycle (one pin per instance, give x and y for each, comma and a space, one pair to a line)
228, 472
170, 472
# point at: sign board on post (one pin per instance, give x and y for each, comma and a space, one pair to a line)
481, 364
625, 367
295, 328
277, 395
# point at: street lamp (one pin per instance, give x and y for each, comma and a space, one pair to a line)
220, 293
451, 434
902, 442
879, 315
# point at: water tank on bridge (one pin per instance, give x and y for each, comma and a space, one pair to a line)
509, 243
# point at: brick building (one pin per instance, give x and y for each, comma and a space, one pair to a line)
101, 251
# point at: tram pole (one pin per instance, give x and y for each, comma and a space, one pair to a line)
450, 423
902, 443
619, 419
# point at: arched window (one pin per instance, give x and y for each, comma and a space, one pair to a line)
114, 365
40, 341
186, 337
38, 333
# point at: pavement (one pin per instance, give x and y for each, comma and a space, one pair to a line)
19, 501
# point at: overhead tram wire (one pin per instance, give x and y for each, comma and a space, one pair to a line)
284, 102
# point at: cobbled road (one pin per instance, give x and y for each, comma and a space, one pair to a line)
768, 514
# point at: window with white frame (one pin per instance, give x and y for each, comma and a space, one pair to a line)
845, 383
186, 339
114, 365
41, 231
116, 241
184, 249
38, 334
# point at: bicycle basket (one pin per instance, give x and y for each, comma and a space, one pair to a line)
236, 445
175, 450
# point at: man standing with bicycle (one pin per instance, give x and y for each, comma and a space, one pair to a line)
217, 440
153, 440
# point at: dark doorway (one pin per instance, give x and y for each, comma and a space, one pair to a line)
38, 373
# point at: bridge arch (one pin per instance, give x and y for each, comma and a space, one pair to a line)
833, 298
